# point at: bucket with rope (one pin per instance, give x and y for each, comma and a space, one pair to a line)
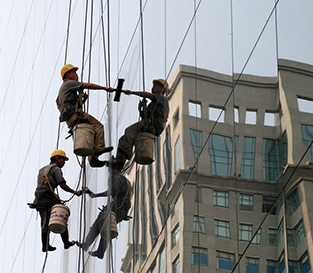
83, 136
58, 218
104, 221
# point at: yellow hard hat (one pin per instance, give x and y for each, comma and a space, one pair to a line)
163, 82
59, 153
67, 68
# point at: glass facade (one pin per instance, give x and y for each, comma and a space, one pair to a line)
299, 232
225, 260
293, 201
269, 205
271, 266
153, 224
305, 264
177, 155
167, 158
221, 154
199, 256
175, 235
222, 228
196, 143
307, 136
248, 156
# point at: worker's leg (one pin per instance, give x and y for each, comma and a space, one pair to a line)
126, 142
45, 216
101, 249
66, 242
92, 234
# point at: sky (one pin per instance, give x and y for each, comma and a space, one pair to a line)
32, 51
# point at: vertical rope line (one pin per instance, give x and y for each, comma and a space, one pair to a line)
84, 40
104, 45
286, 252
109, 46
142, 46
65, 58
234, 129
165, 38
134, 219
90, 47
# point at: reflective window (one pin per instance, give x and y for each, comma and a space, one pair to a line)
198, 224
251, 117
271, 119
269, 205
252, 265
246, 202
177, 155
153, 224
222, 228
153, 268
221, 154
293, 267
221, 198
284, 147
272, 237
305, 105
245, 232
176, 265
280, 232
167, 158
293, 201
299, 232
196, 143
281, 265
175, 235
271, 266
248, 155
217, 114
162, 265
270, 159
198, 195
225, 260
307, 136
194, 109
199, 256
290, 238
257, 238
236, 114
305, 263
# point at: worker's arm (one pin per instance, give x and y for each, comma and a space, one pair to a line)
100, 194
68, 189
95, 87
142, 94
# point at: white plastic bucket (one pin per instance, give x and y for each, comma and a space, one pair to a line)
58, 218
83, 136
144, 145
104, 221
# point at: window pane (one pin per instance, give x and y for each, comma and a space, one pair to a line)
198, 224
222, 228
305, 105
293, 201
271, 266
251, 117
271, 119
177, 155
176, 265
194, 109
196, 142
221, 198
175, 235
246, 202
299, 231
245, 232
257, 239
225, 260
221, 154
272, 237
305, 264
216, 114
307, 136
199, 256
252, 265
236, 114
269, 204
248, 155
270, 159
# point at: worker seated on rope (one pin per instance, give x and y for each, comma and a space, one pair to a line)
154, 121
71, 109
121, 194
49, 178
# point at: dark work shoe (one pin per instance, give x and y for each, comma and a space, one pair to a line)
50, 248
68, 244
96, 163
81, 245
104, 150
96, 254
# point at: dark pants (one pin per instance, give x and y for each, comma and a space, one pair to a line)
45, 205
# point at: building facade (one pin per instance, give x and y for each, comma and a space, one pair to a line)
232, 181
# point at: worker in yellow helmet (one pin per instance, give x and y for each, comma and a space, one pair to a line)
71, 109
49, 178
154, 122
